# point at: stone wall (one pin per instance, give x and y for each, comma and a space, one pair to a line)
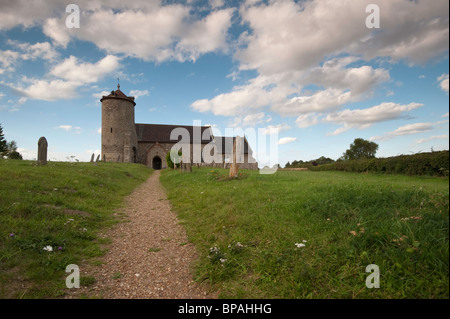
147, 151
119, 139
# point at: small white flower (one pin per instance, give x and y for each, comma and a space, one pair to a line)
223, 260
299, 245
304, 241
48, 248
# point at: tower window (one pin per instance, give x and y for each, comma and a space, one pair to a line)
111, 129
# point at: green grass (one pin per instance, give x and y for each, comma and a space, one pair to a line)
63, 205
245, 231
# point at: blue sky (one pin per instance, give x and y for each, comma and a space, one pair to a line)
312, 69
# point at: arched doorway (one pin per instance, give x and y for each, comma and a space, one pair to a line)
157, 163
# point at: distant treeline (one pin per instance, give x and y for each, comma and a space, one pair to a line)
301, 164
433, 164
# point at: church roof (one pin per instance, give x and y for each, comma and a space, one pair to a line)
225, 145
160, 133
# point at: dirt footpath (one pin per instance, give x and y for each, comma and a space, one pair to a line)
150, 256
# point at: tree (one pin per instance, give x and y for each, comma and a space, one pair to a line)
11, 151
361, 149
3, 147
173, 155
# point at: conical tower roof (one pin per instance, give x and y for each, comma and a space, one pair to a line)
118, 94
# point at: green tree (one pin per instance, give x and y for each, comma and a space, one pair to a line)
360, 149
3, 147
175, 157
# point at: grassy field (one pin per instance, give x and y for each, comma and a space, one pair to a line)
61, 205
311, 234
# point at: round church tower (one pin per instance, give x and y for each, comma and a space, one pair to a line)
119, 139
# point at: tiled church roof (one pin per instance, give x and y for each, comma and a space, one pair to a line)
160, 133
152, 133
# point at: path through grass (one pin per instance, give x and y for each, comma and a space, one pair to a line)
62, 206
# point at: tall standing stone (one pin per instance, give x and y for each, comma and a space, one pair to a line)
98, 158
186, 167
42, 151
234, 168
92, 158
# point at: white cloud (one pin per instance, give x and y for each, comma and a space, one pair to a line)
216, 3
70, 128
302, 34
42, 50
139, 93
443, 79
307, 120
276, 129
164, 32
405, 130
47, 90
54, 30
364, 118
435, 137
101, 94
207, 35
71, 69
70, 74
7, 60
286, 140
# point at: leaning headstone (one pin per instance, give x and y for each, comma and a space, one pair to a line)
42, 151
118, 159
98, 158
186, 167
92, 158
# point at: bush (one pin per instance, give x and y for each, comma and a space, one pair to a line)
169, 159
14, 155
433, 164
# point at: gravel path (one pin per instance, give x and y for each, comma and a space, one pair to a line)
150, 256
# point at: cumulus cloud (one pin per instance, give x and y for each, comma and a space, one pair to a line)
71, 69
443, 82
302, 34
51, 90
7, 60
286, 140
70, 128
42, 50
364, 118
307, 120
138, 93
405, 130
435, 137
164, 32
276, 129
68, 76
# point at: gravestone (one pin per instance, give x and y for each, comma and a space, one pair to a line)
98, 158
92, 158
234, 168
186, 167
42, 151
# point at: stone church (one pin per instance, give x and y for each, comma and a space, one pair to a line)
123, 140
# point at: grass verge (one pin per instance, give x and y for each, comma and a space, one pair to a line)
60, 207
302, 234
